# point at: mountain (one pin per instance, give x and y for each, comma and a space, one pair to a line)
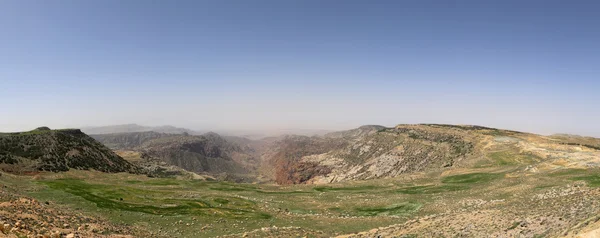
425, 180
135, 128
372, 152
128, 140
364, 153
209, 153
58, 150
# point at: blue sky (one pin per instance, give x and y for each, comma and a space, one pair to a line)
261, 65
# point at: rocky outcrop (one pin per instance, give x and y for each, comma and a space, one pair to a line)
368, 152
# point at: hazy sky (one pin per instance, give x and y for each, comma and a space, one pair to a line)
322, 64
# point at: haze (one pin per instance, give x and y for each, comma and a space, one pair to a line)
276, 65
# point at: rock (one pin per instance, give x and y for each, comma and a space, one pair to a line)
5, 228
72, 235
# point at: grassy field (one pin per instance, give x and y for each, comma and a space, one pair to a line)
192, 208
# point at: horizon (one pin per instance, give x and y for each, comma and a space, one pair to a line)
262, 133
311, 65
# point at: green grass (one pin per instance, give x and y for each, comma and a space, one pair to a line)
229, 208
234, 208
471, 178
430, 189
160, 182
591, 180
541, 187
358, 188
129, 199
393, 210
508, 158
567, 172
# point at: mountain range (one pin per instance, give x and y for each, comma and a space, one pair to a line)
410, 180
367, 152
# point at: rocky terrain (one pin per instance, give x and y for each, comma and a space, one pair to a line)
423, 180
208, 153
57, 150
127, 140
367, 152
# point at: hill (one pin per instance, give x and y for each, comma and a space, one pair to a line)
209, 153
372, 152
135, 128
57, 150
128, 140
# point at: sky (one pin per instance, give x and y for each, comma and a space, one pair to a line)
314, 64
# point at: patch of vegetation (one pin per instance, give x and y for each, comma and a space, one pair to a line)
358, 188
591, 180
514, 225
505, 158
221, 200
584, 145
471, 178
282, 192
567, 172
127, 199
431, 189
393, 210
158, 182
540, 187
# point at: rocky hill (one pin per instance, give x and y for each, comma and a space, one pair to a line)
209, 153
367, 152
372, 152
127, 141
57, 150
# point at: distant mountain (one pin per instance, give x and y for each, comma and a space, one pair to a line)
367, 152
207, 154
135, 128
261, 134
57, 150
128, 140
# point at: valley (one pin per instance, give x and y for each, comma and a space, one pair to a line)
405, 181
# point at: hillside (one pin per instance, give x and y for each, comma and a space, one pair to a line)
57, 150
372, 152
128, 140
205, 154
367, 152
